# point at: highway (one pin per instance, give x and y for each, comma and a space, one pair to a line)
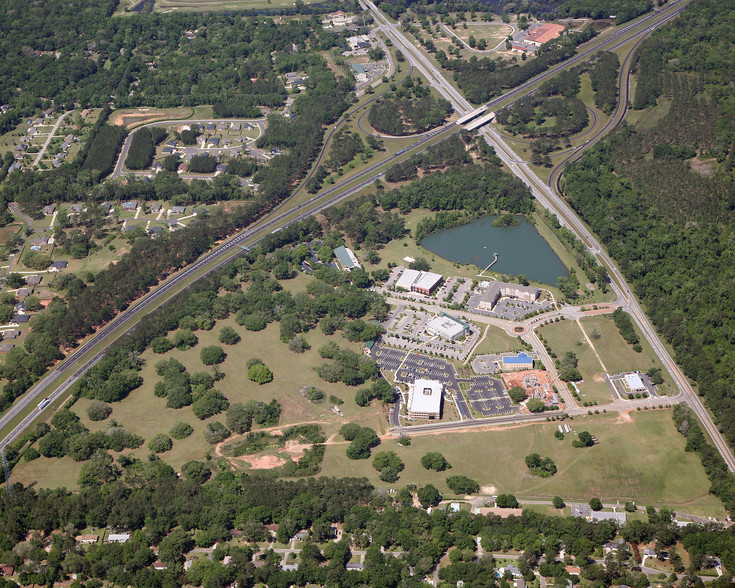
70, 370
555, 202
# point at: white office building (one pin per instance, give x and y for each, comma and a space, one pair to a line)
446, 327
425, 400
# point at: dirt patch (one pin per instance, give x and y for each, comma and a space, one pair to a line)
706, 168
598, 378
488, 490
624, 417
295, 449
536, 383
265, 462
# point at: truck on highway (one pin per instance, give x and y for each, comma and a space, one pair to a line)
44, 403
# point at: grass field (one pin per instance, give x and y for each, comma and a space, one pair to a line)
145, 414
493, 32
496, 341
567, 336
618, 355
639, 459
133, 117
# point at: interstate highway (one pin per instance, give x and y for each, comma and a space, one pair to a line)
550, 200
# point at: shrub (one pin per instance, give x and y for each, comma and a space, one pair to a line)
181, 430
260, 374
209, 403
435, 461
462, 485
99, 411
160, 443
228, 336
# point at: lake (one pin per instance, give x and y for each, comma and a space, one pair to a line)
520, 249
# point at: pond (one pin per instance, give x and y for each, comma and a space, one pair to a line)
520, 249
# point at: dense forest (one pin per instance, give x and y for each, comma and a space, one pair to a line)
174, 515
667, 216
411, 109
77, 53
623, 10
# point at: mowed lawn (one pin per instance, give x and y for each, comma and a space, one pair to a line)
641, 459
617, 354
496, 341
395, 251
146, 415
566, 336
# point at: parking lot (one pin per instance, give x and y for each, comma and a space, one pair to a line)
510, 309
619, 388
486, 396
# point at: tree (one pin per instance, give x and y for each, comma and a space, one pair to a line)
298, 344
420, 264
252, 321
428, 496
212, 355
260, 374
517, 394
161, 345
209, 403
584, 439
228, 336
595, 504
388, 464
462, 485
630, 507
535, 405
239, 419
196, 471
434, 460
506, 501
160, 443
216, 432
558, 502
543, 467
99, 411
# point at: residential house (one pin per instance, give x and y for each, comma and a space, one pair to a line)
11, 334
69, 138
118, 537
19, 319
213, 141
86, 539
39, 241
49, 209
5, 347
211, 127
58, 265
107, 207
221, 168
65, 146
155, 230
133, 205
155, 206
168, 150
24, 292
172, 143
157, 166
235, 126
76, 208
6, 570
178, 209
159, 565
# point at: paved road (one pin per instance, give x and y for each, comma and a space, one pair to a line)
118, 171
51, 136
548, 198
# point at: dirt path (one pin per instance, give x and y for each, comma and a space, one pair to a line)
589, 342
